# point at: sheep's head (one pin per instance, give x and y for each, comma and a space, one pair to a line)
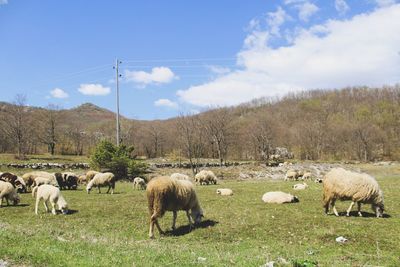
218, 191
197, 215
378, 208
15, 199
295, 199
88, 188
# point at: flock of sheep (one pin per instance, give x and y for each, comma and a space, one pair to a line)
177, 191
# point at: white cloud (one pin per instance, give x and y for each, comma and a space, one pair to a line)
306, 8
163, 102
276, 19
94, 89
3, 2
58, 93
158, 75
219, 69
341, 6
363, 50
385, 3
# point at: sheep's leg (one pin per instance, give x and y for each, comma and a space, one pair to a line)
359, 209
37, 205
45, 205
99, 189
190, 219
326, 206
175, 214
151, 229
349, 209
108, 190
334, 207
53, 209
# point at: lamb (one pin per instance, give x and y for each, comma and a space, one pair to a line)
307, 176
101, 180
8, 192
205, 178
90, 175
167, 194
225, 192
300, 186
357, 187
279, 197
16, 181
29, 177
139, 183
49, 193
291, 175
180, 176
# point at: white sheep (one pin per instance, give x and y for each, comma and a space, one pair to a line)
50, 193
279, 197
307, 176
205, 177
90, 175
139, 183
40, 181
8, 192
300, 186
180, 176
357, 187
29, 177
167, 194
291, 175
224, 192
102, 180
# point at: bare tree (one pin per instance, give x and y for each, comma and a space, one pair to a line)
50, 126
190, 130
261, 133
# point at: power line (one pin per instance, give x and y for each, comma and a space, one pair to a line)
181, 60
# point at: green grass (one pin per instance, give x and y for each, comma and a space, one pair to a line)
10, 158
112, 230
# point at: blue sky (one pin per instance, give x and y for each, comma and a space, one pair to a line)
184, 56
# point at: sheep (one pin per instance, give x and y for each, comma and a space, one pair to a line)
29, 177
291, 175
50, 193
40, 181
167, 194
8, 192
90, 175
101, 180
67, 180
279, 197
318, 180
139, 183
300, 186
307, 176
205, 178
225, 192
82, 179
180, 176
357, 187
16, 181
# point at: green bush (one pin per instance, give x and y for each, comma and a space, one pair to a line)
118, 160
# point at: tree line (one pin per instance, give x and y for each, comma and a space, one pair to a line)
357, 123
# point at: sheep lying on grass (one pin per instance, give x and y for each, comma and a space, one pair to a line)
300, 186
102, 180
279, 197
49, 193
205, 178
139, 183
8, 192
357, 187
180, 176
167, 194
225, 192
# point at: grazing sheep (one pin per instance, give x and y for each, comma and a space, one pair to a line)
307, 176
67, 180
82, 179
167, 194
357, 187
16, 181
139, 183
8, 192
291, 175
49, 193
29, 177
279, 198
300, 186
205, 178
225, 192
180, 176
101, 180
90, 175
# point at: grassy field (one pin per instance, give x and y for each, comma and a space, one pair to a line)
111, 230
10, 158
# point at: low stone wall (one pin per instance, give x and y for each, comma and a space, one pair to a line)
186, 165
47, 165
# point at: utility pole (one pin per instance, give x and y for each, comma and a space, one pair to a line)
116, 67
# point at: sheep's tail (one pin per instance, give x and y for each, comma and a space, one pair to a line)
34, 191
